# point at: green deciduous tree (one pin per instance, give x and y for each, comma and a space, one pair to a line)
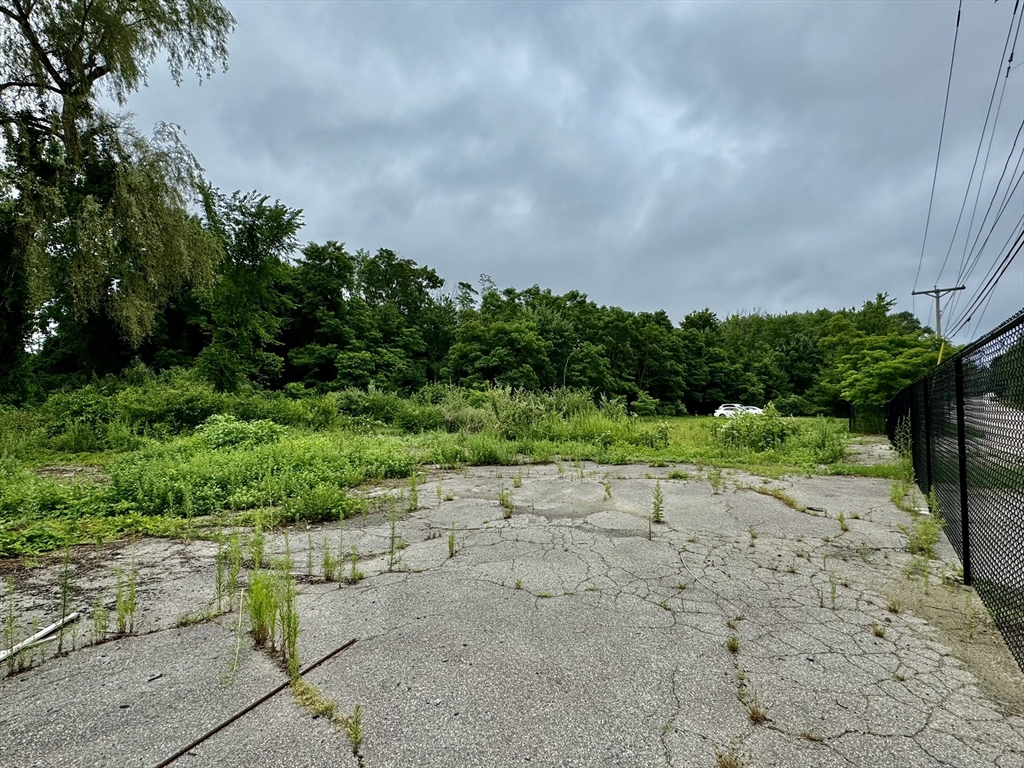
98, 223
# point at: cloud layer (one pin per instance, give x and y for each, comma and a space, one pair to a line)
739, 156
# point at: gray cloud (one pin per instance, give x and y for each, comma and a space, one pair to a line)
738, 156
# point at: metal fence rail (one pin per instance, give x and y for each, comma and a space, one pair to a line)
966, 420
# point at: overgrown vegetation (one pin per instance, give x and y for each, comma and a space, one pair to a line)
169, 455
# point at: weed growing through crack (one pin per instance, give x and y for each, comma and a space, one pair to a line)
286, 563
714, 475
100, 620
451, 541
233, 567
517, 479
65, 595
355, 575
100, 617
229, 677
220, 561
125, 600
676, 474
923, 534
288, 617
729, 757
894, 605
607, 490
561, 469
519, 584
309, 555
877, 629
732, 645
843, 525
657, 505
313, 700
781, 495
755, 710
440, 494
414, 492
354, 729
257, 543
505, 500
261, 601
394, 556
832, 588
329, 563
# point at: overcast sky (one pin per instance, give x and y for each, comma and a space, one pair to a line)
741, 156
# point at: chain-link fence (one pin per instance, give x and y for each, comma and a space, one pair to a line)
966, 421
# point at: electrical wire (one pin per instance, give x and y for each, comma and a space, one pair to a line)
938, 153
995, 264
975, 253
986, 290
981, 142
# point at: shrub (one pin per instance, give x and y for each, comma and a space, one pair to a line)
223, 431
826, 440
756, 432
645, 405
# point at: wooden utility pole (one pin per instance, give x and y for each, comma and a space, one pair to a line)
937, 292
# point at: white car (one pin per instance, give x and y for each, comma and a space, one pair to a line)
752, 409
729, 410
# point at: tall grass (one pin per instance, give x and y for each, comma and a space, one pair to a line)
178, 456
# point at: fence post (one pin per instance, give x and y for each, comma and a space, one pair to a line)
961, 440
926, 395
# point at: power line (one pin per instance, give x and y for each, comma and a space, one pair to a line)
981, 142
990, 285
967, 267
1010, 192
995, 265
938, 153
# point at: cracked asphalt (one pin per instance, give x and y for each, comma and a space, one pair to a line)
573, 633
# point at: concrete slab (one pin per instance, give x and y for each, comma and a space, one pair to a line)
573, 633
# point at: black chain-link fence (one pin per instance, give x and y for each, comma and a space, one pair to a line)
966, 425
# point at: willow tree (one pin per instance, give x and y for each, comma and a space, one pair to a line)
95, 215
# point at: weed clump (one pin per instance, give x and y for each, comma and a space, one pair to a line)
657, 504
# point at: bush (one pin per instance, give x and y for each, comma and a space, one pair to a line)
826, 440
758, 432
645, 405
223, 431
